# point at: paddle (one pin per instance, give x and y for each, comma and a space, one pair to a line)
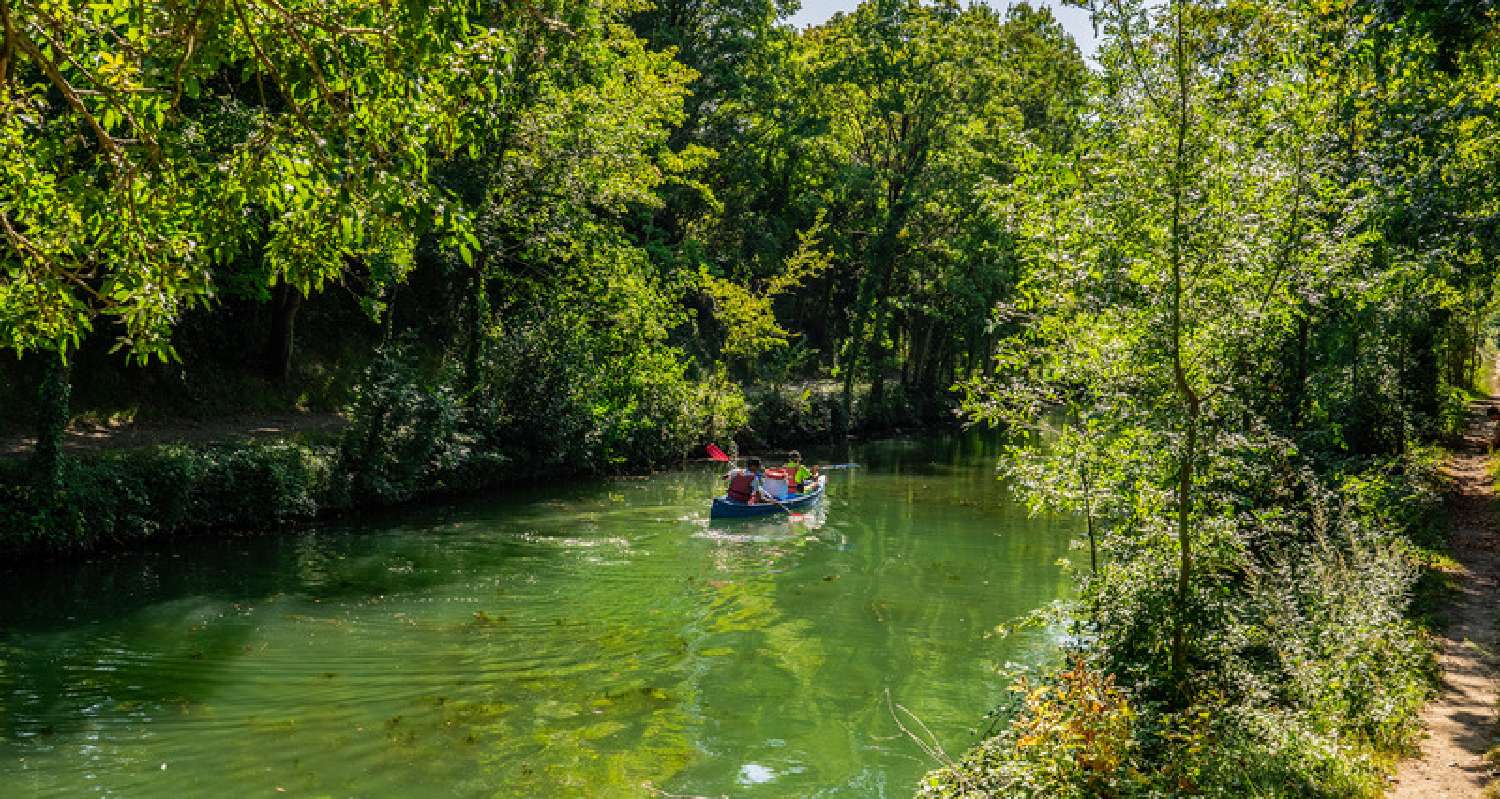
778, 504
716, 454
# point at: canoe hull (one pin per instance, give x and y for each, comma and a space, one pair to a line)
729, 509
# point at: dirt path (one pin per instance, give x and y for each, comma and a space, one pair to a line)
1461, 721
86, 437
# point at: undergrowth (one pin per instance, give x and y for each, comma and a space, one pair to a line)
413, 433
1312, 687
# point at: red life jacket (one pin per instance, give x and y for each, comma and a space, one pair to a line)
740, 485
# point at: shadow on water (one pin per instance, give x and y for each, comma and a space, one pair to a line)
154, 629
577, 639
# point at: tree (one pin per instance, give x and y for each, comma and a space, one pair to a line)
905, 85
145, 146
1161, 258
147, 149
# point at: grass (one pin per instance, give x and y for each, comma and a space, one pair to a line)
1438, 585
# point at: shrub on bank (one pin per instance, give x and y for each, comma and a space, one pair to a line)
1309, 687
113, 498
567, 396
794, 417
412, 434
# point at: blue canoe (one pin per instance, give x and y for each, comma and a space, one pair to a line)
725, 508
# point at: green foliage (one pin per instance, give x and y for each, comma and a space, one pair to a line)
403, 430
1312, 680
1239, 317
144, 146
1452, 414
116, 499
748, 318
561, 394
793, 416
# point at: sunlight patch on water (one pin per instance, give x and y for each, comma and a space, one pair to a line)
586, 642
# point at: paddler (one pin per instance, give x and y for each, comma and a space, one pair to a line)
798, 475
745, 483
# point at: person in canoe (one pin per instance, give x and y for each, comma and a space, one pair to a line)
745, 484
776, 483
798, 475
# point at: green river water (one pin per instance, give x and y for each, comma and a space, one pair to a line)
590, 639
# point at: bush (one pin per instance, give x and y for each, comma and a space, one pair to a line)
794, 417
1074, 737
403, 430
110, 499
260, 484
562, 396
1453, 414
1308, 679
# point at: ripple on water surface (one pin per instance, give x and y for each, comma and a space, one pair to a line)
597, 639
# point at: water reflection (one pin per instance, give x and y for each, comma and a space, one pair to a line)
600, 639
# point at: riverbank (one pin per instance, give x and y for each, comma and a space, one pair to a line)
1314, 682
123, 485
116, 499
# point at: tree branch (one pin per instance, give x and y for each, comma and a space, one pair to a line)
8, 49
60, 83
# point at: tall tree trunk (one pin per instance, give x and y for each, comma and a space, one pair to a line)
1191, 405
1297, 391
869, 304
921, 372
904, 345
285, 302
1086, 482
1473, 365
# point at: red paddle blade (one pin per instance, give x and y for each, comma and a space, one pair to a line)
716, 453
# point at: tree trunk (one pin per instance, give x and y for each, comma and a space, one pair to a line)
285, 302
1191, 405
904, 345
476, 311
1086, 482
870, 300
51, 425
1473, 365
875, 362
847, 366
922, 372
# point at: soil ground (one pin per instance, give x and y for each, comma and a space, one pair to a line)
1460, 722
83, 437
